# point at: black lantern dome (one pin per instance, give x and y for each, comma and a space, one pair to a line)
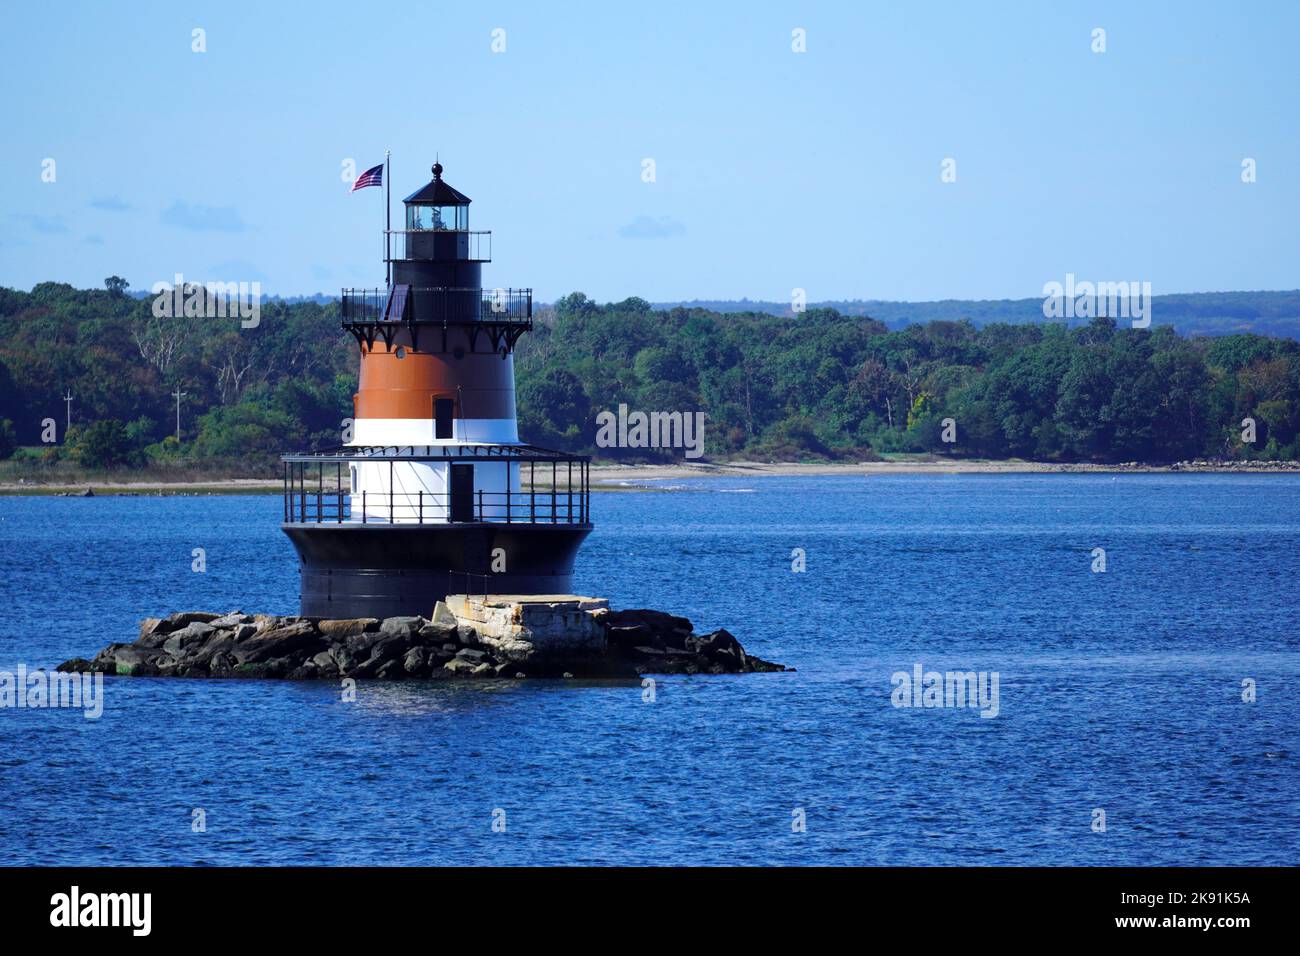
437, 206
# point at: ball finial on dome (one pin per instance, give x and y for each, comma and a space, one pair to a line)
437, 170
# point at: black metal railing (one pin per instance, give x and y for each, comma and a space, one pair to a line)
460, 244
527, 506
457, 578
539, 487
437, 305
442, 452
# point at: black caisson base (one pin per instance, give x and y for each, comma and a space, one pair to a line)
354, 570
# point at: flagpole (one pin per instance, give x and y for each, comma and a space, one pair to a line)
388, 221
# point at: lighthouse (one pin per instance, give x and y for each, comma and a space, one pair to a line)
433, 494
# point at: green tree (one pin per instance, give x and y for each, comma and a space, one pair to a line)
103, 444
554, 409
8, 439
1086, 389
250, 431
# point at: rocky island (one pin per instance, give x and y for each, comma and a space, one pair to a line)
490, 636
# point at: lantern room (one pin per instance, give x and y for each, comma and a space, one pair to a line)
437, 225
437, 206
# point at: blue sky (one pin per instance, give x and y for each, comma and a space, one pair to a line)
774, 169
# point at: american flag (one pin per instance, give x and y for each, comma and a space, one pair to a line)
374, 176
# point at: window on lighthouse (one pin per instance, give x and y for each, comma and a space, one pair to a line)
437, 217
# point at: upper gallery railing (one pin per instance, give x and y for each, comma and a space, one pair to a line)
459, 244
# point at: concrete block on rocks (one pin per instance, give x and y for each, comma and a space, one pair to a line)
520, 628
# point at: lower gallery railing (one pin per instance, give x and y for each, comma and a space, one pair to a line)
524, 507
552, 491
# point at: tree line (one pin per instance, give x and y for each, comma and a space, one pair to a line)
829, 385
1275, 313
820, 384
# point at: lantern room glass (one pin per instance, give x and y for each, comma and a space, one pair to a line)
437, 217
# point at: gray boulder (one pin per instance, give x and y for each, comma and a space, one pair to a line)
181, 619
359, 645
135, 661
390, 670
404, 627
217, 642
335, 631
719, 644
296, 640
390, 647
416, 661
435, 634
154, 626
178, 642
645, 628
233, 619
340, 660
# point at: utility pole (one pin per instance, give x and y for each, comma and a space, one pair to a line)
179, 395
68, 398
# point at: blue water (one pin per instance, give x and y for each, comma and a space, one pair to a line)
1119, 691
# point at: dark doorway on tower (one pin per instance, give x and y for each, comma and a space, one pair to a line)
443, 409
462, 492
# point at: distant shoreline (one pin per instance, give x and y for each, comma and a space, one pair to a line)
612, 477
606, 473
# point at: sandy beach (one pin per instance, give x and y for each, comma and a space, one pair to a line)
614, 474
613, 477
608, 475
